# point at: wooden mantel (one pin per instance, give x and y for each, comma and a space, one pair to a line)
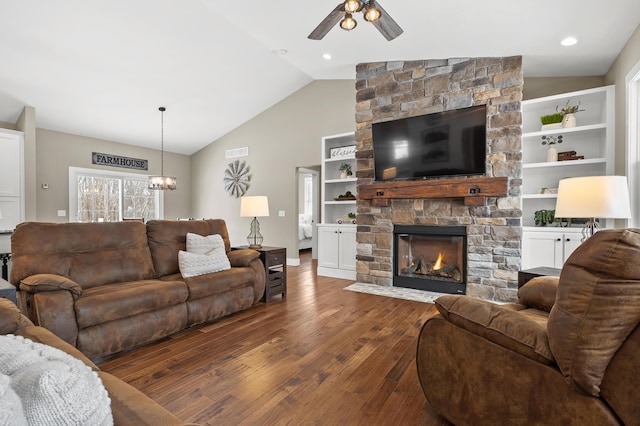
472, 190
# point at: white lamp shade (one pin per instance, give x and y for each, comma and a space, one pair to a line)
592, 197
254, 206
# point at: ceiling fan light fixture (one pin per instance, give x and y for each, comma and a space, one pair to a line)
371, 13
352, 6
348, 23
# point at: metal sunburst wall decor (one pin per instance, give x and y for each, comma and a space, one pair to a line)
237, 178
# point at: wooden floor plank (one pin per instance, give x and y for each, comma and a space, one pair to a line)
322, 355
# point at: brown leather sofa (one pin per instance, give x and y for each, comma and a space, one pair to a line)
568, 353
106, 287
129, 406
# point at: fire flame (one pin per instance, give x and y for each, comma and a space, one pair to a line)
438, 264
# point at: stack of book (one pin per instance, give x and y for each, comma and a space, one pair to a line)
569, 155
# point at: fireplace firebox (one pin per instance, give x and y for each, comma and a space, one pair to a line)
432, 258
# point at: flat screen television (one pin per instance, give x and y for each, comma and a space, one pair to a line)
449, 143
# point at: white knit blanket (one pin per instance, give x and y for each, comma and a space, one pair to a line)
54, 388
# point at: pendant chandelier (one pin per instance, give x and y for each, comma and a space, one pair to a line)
162, 182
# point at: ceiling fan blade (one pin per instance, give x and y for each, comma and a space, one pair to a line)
386, 25
327, 23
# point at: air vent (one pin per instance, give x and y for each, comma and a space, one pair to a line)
237, 152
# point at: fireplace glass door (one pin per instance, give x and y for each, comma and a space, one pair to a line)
430, 258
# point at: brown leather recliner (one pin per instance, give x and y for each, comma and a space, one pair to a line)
106, 287
567, 353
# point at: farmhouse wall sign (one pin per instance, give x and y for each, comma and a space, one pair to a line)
117, 161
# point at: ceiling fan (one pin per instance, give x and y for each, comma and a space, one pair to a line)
372, 12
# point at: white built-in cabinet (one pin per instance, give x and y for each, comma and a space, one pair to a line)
593, 137
550, 247
337, 251
336, 233
11, 185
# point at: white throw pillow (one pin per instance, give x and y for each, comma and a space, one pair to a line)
11, 413
203, 245
193, 264
54, 387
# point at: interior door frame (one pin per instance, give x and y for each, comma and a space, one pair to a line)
315, 215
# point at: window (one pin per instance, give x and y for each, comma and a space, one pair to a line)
99, 195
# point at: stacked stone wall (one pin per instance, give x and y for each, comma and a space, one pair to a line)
393, 90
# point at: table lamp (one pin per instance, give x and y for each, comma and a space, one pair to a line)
593, 197
254, 206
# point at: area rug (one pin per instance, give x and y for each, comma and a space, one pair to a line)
397, 292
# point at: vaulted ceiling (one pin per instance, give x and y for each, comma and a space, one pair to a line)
102, 68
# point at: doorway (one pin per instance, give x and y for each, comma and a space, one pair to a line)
308, 208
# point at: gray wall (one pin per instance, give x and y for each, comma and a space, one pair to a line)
286, 136
617, 74
537, 87
56, 152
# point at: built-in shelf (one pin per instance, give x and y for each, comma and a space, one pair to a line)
564, 163
539, 196
346, 157
565, 130
341, 180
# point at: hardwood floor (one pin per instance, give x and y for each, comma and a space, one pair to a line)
323, 355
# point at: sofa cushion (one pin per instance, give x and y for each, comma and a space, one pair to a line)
539, 292
168, 237
54, 387
90, 254
597, 307
114, 301
501, 324
219, 282
194, 264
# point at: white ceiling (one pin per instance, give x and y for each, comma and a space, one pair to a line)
102, 68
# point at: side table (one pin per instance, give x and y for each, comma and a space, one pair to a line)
275, 267
8, 291
527, 274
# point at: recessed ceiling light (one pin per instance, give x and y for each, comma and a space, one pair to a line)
569, 41
326, 56
281, 51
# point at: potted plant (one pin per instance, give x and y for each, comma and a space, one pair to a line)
345, 170
568, 111
551, 121
552, 152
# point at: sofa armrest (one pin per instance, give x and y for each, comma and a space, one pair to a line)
11, 319
54, 310
50, 282
242, 258
499, 324
539, 293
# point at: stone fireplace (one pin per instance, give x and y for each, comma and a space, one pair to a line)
492, 223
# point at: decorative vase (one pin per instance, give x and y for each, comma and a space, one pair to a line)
343, 175
552, 154
569, 120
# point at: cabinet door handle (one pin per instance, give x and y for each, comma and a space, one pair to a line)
558, 239
568, 239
